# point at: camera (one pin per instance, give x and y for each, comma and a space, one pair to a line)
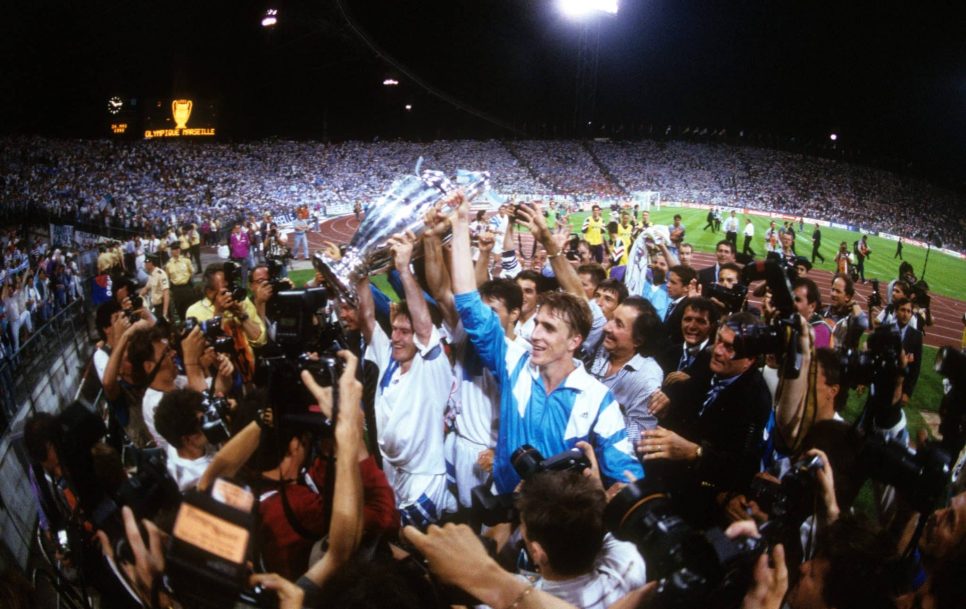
732, 298
293, 312
233, 280
881, 360
788, 502
206, 562
492, 509
214, 419
920, 477
210, 328
693, 568
136, 302
527, 461
875, 299
951, 364
779, 338
919, 290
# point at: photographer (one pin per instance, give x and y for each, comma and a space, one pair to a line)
843, 309
240, 319
114, 371
727, 293
562, 524
853, 568
887, 315
178, 420
153, 366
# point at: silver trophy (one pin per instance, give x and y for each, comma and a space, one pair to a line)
401, 208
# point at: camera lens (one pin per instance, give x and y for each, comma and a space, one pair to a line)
526, 461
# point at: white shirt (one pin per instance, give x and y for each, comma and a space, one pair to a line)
187, 472
749, 230
409, 420
524, 330
618, 570
150, 401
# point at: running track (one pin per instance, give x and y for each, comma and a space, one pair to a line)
947, 328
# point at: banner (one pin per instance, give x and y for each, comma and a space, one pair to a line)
61, 235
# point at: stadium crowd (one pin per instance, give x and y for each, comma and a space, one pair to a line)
590, 423
154, 185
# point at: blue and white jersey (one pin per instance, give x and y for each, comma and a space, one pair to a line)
581, 408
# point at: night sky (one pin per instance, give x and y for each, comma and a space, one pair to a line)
889, 78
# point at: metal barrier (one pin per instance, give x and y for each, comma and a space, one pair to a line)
30, 378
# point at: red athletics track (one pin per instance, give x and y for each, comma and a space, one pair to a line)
947, 328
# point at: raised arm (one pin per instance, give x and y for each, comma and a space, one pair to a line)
437, 275
461, 264
565, 273
401, 246
345, 527
367, 309
232, 456
484, 243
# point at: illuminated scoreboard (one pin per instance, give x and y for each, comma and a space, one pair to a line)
180, 117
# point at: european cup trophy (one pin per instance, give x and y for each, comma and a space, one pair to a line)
401, 208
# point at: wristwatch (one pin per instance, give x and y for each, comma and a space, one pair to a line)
698, 452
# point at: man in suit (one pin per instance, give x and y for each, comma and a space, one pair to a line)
710, 437
679, 278
724, 253
911, 346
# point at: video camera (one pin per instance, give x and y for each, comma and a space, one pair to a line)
880, 361
788, 502
781, 336
732, 298
206, 563
491, 509
951, 364
693, 568
920, 477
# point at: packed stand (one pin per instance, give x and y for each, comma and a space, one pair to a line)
37, 283
588, 422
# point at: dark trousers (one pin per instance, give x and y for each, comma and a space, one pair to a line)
815, 253
598, 252
733, 237
183, 296
747, 247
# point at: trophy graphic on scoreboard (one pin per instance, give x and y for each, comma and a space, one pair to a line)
181, 111
401, 208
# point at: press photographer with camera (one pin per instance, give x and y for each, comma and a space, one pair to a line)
153, 366
844, 309
226, 300
728, 293
178, 419
116, 327
562, 525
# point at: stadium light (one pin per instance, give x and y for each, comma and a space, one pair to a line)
390, 82
833, 137
409, 107
270, 18
577, 9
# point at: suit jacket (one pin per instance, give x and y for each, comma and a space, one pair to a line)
706, 275
672, 323
730, 431
912, 344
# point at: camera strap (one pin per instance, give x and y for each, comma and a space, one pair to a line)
293, 520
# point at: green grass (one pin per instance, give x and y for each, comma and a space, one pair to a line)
945, 274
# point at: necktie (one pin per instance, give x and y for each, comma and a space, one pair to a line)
716, 386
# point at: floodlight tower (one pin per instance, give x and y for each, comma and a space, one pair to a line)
589, 13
